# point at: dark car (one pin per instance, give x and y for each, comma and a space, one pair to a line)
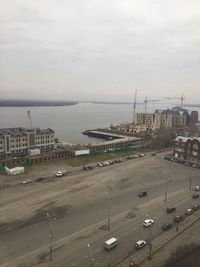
178, 218
196, 207
195, 195
142, 194
87, 168
166, 226
171, 209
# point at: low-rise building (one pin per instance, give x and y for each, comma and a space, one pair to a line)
16, 141
187, 149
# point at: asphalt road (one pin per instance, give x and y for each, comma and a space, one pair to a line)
128, 235
124, 197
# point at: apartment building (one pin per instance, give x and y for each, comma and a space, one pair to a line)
187, 149
14, 141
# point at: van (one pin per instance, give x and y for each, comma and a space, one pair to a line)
111, 243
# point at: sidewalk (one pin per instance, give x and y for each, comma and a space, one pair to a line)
164, 245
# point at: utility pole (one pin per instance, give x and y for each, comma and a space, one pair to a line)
91, 255
190, 183
109, 210
150, 249
166, 189
50, 237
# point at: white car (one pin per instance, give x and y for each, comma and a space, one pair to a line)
59, 174
148, 222
100, 164
197, 188
189, 211
27, 181
140, 244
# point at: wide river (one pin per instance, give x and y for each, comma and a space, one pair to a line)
69, 122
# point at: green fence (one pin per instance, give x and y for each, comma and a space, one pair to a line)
2, 168
25, 164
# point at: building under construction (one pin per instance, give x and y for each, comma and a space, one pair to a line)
176, 117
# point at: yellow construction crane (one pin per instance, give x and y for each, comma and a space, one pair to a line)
134, 105
181, 98
149, 101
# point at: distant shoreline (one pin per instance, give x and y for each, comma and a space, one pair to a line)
35, 103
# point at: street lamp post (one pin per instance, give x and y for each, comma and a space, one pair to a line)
166, 189
91, 255
190, 183
50, 236
109, 210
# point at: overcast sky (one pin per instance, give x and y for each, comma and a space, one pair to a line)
99, 49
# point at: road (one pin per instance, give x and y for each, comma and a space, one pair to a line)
158, 177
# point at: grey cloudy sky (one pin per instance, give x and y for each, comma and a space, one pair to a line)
99, 49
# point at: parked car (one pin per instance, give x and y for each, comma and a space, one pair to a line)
59, 174
166, 226
189, 211
195, 196
141, 155
148, 222
140, 244
178, 218
142, 194
196, 207
171, 209
100, 164
87, 168
26, 181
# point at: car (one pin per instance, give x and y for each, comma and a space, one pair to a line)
196, 207
140, 244
167, 157
59, 174
178, 218
148, 222
195, 196
197, 188
166, 226
170, 209
26, 181
100, 164
189, 211
111, 243
142, 194
87, 167
141, 155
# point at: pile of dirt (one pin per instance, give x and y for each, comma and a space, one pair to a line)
39, 215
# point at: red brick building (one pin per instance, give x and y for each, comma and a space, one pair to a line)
187, 149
